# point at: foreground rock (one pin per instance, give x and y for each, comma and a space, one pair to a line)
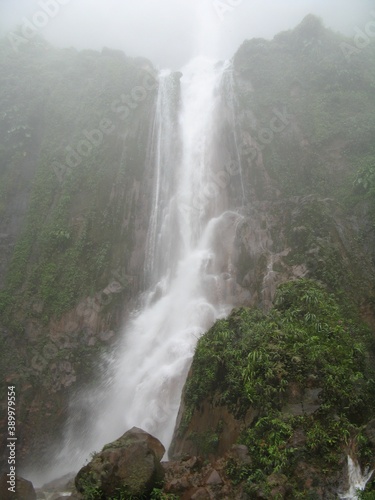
196, 478
130, 465
24, 489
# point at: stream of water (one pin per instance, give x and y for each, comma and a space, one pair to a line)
187, 290
188, 265
357, 480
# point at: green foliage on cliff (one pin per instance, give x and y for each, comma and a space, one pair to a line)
364, 184
251, 357
369, 493
72, 150
64, 135
307, 342
327, 103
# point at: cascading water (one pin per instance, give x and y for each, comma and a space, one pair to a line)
357, 480
188, 264
187, 291
184, 298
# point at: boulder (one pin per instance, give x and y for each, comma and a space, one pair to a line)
24, 489
214, 478
130, 465
201, 494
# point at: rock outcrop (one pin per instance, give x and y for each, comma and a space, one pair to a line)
290, 388
130, 465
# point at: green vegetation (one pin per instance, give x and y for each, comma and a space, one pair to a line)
66, 233
66, 249
89, 488
328, 108
365, 177
254, 360
91, 491
332, 253
364, 184
254, 357
158, 494
206, 443
80, 227
366, 495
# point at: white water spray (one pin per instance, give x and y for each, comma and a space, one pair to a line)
357, 480
188, 267
188, 292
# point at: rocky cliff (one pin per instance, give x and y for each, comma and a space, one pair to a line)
289, 379
307, 232
74, 209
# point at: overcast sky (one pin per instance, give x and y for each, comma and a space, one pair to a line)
170, 32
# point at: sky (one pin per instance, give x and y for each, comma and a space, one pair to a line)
171, 32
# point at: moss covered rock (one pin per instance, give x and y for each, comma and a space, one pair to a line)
304, 373
129, 466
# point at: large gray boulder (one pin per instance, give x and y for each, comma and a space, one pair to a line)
129, 466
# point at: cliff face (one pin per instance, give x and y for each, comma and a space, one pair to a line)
75, 203
304, 125
304, 128
294, 386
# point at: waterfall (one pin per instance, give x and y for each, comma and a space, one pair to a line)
357, 480
188, 268
163, 156
188, 256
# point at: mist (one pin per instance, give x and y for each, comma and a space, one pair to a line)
171, 32
188, 254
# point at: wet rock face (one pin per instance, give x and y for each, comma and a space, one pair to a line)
193, 478
299, 237
129, 465
201, 436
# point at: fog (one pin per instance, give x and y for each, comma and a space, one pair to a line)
170, 32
